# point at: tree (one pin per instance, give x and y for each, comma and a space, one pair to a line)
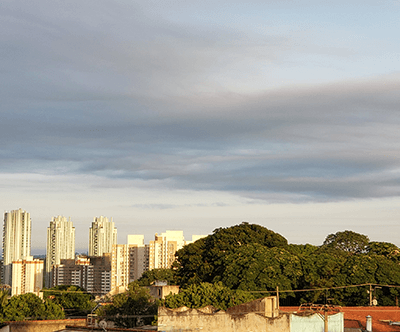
133, 308
75, 300
53, 310
148, 277
30, 306
347, 241
204, 260
256, 267
384, 249
217, 295
4, 294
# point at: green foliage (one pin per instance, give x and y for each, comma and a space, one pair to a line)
30, 306
347, 241
75, 300
256, 267
204, 260
386, 249
217, 295
126, 307
251, 257
53, 310
150, 276
302, 250
3, 302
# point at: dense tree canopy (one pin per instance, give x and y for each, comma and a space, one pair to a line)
252, 258
133, 308
148, 277
203, 294
29, 306
347, 241
75, 300
204, 260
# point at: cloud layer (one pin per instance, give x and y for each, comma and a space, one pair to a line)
287, 103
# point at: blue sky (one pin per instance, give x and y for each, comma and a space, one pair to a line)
197, 115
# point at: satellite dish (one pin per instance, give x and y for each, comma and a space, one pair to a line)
103, 324
375, 302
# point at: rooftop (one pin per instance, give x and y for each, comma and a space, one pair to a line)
355, 317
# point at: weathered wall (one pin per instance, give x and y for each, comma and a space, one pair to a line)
160, 292
266, 306
42, 325
315, 323
170, 320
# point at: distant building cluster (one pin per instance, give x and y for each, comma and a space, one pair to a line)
108, 268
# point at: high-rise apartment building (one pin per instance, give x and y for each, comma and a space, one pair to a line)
129, 261
16, 241
102, 236
27, 276
119, 266
138, 256
60, 244
162, 250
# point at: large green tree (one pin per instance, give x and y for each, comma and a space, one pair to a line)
347, 241
258, 268
30, 306
204, 260
133, 308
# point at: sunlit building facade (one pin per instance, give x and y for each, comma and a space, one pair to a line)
102, 236
60, 244
16, 241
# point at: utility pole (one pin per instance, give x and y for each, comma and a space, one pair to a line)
277, 296
370, 295
326, 320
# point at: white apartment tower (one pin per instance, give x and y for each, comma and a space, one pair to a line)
102, 236
16, 241
162, 250
60, 244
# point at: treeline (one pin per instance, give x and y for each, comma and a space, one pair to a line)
250, 257
57, 303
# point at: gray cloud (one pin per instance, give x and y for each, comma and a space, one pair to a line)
123, 92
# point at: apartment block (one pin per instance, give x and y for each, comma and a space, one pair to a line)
119, 266
60, 244
102, 236
138, 256
129, 261
162, 250
27, 276
16, 241
90, 273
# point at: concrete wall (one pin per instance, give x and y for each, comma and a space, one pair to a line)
185, 319
160, 292
266, 306
42, 325
315, 323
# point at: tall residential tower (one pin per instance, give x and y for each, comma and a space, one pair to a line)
60, 244
16, 241
102, 236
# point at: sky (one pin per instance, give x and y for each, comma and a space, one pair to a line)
194, 115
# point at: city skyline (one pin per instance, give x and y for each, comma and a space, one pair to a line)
83, 248
196, 115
